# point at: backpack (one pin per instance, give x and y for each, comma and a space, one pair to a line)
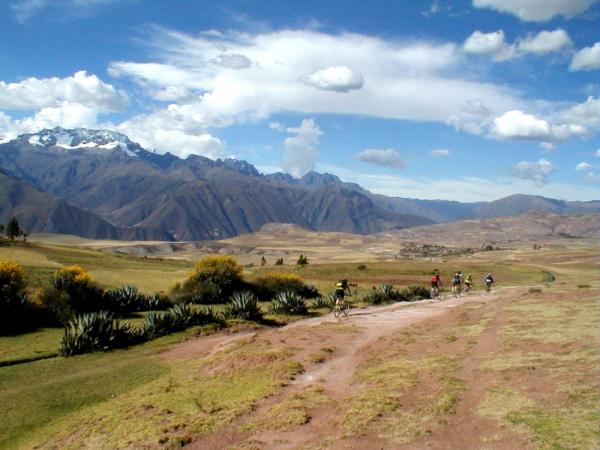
457, 279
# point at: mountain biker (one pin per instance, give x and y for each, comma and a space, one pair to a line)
468, 283
488, 280
456, 283
341, 287
436, 282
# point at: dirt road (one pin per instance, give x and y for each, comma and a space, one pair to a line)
333, 353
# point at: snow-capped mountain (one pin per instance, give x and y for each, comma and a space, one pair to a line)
82, 138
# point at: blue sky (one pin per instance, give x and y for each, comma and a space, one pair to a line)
463, 100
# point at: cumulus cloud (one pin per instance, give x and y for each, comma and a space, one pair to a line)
233, 61
494, 44
382, 157
516, 124
337, 79
440, 153
587, 58
537, 10
545, 42
178, 129
300, 151
67, 115
82, 88
583, 166
536, 171
586, 114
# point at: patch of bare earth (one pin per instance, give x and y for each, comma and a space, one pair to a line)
314, 411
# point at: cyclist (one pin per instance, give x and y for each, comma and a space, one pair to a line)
468, 283
488, 280
436, 282
456, 283
341, 288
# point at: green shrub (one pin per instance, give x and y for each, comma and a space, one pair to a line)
413, 292
270, 284
361, 267
243, 305
288, 302
158, 302
72, 292
93, 332
213, 280
126, 299
178, 318
324, 302
548, 277
384, 294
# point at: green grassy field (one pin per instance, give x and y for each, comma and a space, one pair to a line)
90, 395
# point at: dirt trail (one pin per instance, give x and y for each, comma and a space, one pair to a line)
334, 375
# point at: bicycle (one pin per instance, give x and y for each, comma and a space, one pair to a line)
435, 292
488, 286
466, 289
456, 290
342, 304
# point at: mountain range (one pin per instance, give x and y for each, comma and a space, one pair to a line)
99, 184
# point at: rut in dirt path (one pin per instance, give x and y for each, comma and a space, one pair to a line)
335, 375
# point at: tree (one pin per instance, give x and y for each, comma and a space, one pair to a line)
302, 260
279, 262
1, 229
12, 229
263, 261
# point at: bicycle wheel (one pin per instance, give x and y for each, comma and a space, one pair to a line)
337, 310
346, 308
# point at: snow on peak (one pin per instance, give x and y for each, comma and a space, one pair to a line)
82, 138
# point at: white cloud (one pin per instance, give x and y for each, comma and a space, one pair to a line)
440, 153
67, 115
465, 189
276, 126
587, 58
597, 153
179, 129
299, 152
583, 166
382, 157
536, 171
83, 88
233, 61
586, 114
537, 10
412, 80
337, 79
516, 124
494, 44
545, 42
548, 146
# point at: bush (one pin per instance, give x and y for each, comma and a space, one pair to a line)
324, 302
279, 262
413, 292
302, 260
17, 312
126, 299
361, 267
72, 292
243, 305
214, 279
269, 285
387, 294
548, 277
93, 332
288, 302
176, 319
158, 302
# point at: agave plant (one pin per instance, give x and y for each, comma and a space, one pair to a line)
324, 302
288, 302
97, 331
243, 305
127, 299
